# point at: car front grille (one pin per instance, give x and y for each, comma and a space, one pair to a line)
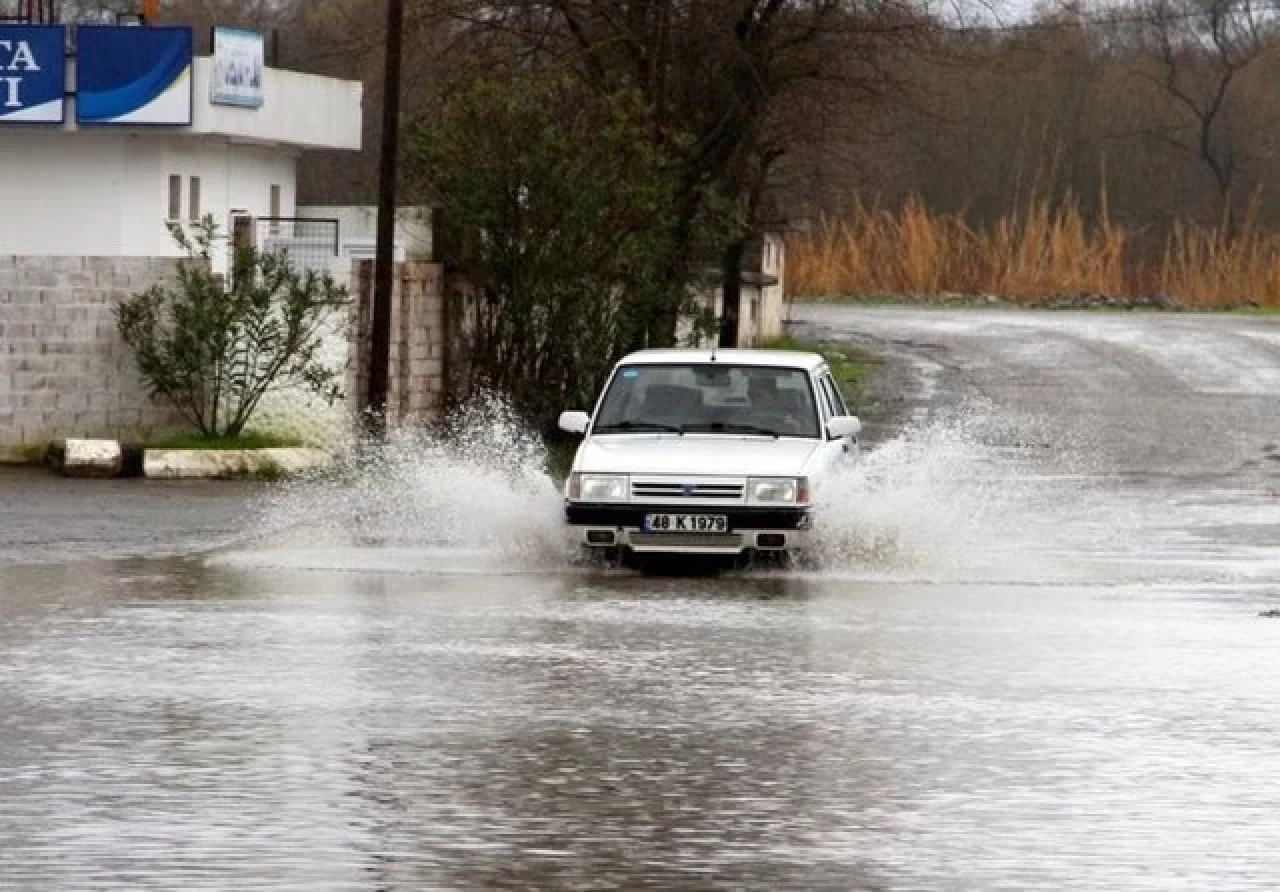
667, 490
726, 541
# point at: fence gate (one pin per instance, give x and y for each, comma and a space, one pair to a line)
310, 243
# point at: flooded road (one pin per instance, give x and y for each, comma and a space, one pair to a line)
1032, 657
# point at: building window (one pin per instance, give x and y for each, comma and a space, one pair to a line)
193, 200
175, 198
275, 209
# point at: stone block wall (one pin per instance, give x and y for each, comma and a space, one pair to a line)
416, 373
64, 370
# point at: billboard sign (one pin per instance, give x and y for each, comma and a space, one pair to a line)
129, 75
33, 74
239, 62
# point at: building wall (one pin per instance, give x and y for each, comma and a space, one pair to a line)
416, 375
773, 300
763, 309
64, 370
105, 193
302, 110
61, 196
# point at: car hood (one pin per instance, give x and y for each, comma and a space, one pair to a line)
695, 455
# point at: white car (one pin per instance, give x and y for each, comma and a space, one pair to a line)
711, 452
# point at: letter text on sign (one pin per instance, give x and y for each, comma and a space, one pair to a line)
20, 58
23, 58
33, 70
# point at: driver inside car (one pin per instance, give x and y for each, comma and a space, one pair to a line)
771, 406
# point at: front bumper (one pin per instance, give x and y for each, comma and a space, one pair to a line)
749, 529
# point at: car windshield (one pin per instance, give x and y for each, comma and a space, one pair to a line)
709, 397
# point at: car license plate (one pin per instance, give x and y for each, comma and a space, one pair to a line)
686, 523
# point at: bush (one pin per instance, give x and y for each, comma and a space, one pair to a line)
214, 351
560, 209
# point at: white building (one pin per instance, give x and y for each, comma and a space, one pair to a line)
108, 137
111, 191
762, 307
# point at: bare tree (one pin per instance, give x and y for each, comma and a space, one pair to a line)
1202, 50
719, 75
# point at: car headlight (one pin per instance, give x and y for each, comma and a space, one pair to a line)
598, 488
778, 490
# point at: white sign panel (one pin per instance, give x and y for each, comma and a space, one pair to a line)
239, 61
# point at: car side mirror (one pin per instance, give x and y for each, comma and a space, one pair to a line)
843, 426
574, 422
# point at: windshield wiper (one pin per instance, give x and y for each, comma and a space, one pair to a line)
639, 426
731, 427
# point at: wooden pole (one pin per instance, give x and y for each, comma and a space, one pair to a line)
380, 348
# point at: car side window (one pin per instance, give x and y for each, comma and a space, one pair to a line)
824, 398
834, 396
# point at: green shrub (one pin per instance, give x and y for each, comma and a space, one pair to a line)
214, 351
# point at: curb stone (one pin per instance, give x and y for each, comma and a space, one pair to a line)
184, 464
110, 458
87, 458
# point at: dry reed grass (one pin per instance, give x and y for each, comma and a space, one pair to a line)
1044, 250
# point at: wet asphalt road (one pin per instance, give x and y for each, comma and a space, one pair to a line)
1032, 659
48, 520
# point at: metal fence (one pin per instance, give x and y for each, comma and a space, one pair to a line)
309, 243
28, 12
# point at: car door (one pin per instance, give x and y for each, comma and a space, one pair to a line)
843, 449
833, 456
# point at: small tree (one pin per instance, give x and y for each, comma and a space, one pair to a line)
215, 351
558, 212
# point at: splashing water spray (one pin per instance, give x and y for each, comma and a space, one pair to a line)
971, 494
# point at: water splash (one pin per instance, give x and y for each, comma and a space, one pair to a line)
974, 491
984, 496
976, 495
960, 494
472, 494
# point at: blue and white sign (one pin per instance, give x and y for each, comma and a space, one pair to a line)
33, 74
239, 63
129, 75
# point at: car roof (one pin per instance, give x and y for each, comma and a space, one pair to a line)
736, 356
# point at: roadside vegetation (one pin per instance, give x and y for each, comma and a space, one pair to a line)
243, 441
600, 165
561, 208
1045, 254
214, 349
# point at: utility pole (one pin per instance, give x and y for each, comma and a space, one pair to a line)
380, 348
731, 293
